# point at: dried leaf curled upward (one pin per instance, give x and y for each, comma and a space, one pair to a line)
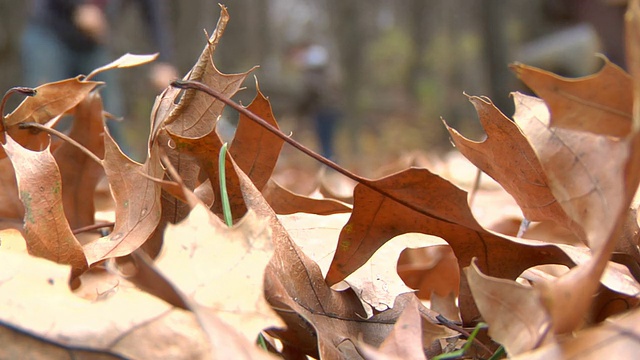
584, 182
46, 229
507, 156
600, 103
191, 113
137, 199
51, 100
124, 61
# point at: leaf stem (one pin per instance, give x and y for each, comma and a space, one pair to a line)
455, 327
189, 84
226, 207
62, 136
20, 90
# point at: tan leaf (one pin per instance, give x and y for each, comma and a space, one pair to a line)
599, 103
616, 337
125, 61
581, 180
12, 240
405, 340
189, 114
192, 113
377, 281
51, 100
46, 229
510, 309
221, 268
127, 323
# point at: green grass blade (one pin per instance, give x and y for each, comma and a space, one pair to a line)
226, 208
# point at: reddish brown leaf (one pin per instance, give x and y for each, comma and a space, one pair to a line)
205, 151
46, 229
255, 149
600, 103
80, 174
440, 209
430, 270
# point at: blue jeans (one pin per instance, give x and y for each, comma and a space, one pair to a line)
326, 120
45, 58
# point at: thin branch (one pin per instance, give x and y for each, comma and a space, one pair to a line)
455, 327
188, 84
93, 227
64, 137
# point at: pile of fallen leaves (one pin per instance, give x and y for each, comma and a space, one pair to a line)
149, 269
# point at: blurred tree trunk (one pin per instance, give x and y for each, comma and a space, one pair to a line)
348, 23
494, 17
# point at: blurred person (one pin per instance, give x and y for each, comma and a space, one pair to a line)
319, 98
66, 38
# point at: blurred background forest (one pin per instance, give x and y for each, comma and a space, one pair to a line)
401, 66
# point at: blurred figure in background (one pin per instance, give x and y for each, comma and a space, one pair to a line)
320, 100
66, 38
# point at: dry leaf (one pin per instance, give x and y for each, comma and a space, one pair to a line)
221, 268
137, 201
507, 156
51, 100
600, 103
46, 229
128, 323
80, 174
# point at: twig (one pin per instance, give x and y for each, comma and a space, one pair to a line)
455, 327
188, 84
64, 137
93, 227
